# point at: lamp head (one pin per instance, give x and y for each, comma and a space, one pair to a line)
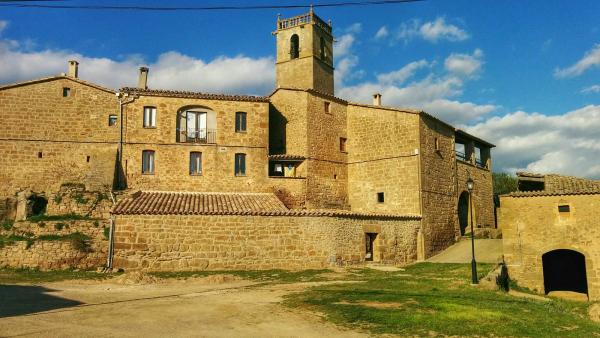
470, 184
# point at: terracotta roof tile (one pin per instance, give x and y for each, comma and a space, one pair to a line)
200, 203
556, 185
286, 157
194, 95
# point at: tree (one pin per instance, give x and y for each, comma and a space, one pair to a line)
504, 183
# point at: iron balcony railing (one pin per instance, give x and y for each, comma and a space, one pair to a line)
461, 156
479, 163
197, 136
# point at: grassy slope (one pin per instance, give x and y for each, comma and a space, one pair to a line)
437, 299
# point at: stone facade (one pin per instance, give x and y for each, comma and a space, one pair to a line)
312, 150
532, 225
172, 242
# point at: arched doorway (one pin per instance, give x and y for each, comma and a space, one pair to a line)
564, 270
463, 212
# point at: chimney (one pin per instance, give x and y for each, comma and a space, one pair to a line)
73, 69
143, 79
377, 99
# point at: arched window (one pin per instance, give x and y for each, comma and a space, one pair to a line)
323, 50
295, 46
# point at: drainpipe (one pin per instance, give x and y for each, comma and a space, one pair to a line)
109, 258
122, 103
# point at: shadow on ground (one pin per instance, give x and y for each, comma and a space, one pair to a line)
17, 300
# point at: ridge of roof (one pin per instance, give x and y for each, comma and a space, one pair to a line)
56, 77
190, 94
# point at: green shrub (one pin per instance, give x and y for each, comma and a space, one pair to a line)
80, 242
79, 199
73, 185
106, 233
57, 199
100, 196
63, 217
96, 223
7, 224
41, 224
59, 226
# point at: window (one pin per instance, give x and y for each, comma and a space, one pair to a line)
66, 91
327, 107
195, 163
278, 168
322, 49
380, 197
148, 162
149, 117
40, 154
564, 208
295, 46
437, 144
343, 144
240, 164
87, 158
112, 120
240, 122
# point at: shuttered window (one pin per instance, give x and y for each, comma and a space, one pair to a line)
240, 164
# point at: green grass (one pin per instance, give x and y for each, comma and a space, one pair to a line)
63, 217
7, 224
438, 299
276, 276
79, 241
12, 276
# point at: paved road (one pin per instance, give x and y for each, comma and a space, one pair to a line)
486, 251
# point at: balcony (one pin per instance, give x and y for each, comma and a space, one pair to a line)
201, 136
461, 156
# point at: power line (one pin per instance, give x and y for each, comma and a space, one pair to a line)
5, 3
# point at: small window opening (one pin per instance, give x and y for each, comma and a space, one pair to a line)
334, 176
343, 144
240, 122
322, 49
564, 208
112, 120
370, 246
149, 117
195, 163
240, 165
327, 106
66, 92
380, 197
40, 155
148, 162
36, 205
295, 46
87, 159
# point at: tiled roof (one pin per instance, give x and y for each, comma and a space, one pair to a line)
188, 203
286, 157
194, 95
200, 203
556, 185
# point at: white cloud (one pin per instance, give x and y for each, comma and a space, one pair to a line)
172, 70
401, 75
354, 28
346, 60
432, 31
589, 60
464, 64
382, 33
343, 45
591, 89
3, 25
565, 144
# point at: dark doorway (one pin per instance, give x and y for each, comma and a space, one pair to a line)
37, 205
369, 244
463, 212
564, 270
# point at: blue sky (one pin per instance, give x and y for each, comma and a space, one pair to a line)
523, 74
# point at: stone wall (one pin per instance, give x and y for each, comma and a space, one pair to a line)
172, 158
73, 198
382, 158
47, 139
53, 253
173, 242
290, 190
532, 226
483, 193
438, 185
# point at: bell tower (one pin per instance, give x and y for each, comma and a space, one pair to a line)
304, 53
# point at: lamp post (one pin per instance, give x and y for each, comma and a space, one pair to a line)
474, 280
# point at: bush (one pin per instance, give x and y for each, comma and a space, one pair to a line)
80, 242
106, 233
64, 217
502, 280
7, 224
59, 226
57, 199
79, 199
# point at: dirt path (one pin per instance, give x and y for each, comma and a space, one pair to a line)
171, 309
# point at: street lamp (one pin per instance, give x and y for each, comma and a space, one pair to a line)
470, 185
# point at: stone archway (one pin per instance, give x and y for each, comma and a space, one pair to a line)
463, 212
564, 270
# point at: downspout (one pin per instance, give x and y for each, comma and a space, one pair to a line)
111, 231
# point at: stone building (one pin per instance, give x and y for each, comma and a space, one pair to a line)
299, 178
550, 234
